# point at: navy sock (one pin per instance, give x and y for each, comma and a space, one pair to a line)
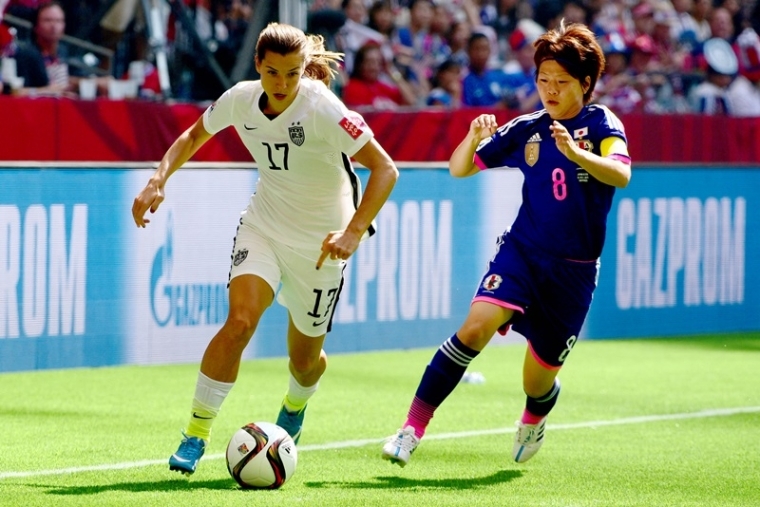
445, 371
543, 405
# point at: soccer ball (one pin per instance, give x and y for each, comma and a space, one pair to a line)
261, 455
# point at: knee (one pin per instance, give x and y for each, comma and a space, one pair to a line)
473, 336
240, 325
304, 365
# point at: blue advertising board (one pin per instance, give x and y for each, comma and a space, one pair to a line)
81, 285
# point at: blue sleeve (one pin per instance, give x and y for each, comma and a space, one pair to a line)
499, 149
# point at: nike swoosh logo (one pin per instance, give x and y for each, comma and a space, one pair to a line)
315, 324
249, 128
181, 459
200, 417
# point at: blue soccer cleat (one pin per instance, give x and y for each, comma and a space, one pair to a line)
292, 422
189, 453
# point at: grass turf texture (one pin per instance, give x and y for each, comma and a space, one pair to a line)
116, 427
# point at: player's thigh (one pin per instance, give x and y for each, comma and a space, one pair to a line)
309, 294
553, 322
250, 296
254, 274
482, 322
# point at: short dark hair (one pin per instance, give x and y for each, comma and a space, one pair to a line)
42, 7
476, 36
576, 49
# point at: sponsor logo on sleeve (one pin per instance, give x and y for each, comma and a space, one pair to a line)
353, 125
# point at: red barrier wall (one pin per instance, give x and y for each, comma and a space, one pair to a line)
51, 129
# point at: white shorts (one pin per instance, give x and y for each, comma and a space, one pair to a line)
309, 294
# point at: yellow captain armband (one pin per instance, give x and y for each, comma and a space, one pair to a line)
613, 146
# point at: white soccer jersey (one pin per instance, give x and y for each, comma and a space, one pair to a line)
307, 186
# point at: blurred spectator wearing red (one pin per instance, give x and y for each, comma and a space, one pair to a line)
375, 83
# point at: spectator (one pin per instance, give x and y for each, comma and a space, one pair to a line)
428, 49
642, 15
447, 86
748, 48
366, 87
483, 86
642, 67
684, 28
521, 72
457, 40
47, 51
701, 13
355, 33
614, 89
612, 18
724, 91
669, 56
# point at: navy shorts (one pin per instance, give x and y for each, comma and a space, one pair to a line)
551, 296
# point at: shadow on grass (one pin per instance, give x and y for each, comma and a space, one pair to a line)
138, 487
393, 482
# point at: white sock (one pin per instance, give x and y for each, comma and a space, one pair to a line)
298, 395
211, 393
209, 396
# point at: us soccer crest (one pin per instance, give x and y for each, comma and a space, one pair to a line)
531, 153
297, 134
240, 256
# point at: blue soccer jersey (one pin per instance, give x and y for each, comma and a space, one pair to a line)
564, 209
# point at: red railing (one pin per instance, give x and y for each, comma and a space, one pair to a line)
50, 129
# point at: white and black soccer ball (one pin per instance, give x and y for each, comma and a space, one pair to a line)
261, 455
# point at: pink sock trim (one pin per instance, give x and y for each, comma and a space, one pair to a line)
528, 418
419, 416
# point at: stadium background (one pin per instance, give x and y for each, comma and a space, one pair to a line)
81, 286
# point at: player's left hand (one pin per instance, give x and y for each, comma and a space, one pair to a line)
338, 245
565, 143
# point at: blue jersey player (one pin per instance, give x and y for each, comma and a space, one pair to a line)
541, 279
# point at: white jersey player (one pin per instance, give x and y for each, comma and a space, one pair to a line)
306, 218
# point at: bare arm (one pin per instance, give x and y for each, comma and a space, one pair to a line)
461, 163
184, 147
605, 169
383, 176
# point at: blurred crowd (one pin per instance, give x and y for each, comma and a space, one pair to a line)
663, 56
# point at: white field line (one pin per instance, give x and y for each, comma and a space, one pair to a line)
719, 412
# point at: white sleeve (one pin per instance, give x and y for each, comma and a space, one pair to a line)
218, 115
341, 128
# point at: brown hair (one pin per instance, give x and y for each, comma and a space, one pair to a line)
284, 39
576, 49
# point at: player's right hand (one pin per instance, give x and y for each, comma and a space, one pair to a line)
150, 198
483, 126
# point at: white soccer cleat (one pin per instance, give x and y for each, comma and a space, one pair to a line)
399, 447
528, 440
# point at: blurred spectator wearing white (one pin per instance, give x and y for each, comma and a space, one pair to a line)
355, 33
684, 28
701, 13
724, 91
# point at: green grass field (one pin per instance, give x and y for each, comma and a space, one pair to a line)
657, 422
